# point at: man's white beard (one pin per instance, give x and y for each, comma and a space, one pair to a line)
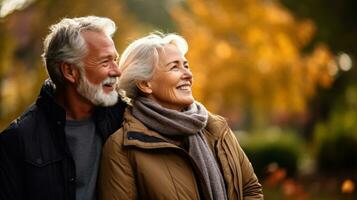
95, 93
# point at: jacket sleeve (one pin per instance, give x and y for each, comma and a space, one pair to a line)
251, 188
11, 172
116, 179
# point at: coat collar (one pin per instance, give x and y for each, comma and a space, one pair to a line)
137, 134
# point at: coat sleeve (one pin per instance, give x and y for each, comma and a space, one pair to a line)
251, 188
116, 179
11, 172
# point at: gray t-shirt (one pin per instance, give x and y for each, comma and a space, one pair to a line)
85, 145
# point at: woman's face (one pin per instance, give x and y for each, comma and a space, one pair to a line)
172, 80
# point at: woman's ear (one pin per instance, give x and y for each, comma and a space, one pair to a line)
69, 72
144, 86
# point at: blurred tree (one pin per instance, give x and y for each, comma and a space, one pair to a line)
154, 13
247, 57
337, 22
21, 36
335, 139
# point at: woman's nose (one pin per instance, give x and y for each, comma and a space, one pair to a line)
187, 73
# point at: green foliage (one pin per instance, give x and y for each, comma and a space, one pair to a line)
272, 146
337, 30
336, 139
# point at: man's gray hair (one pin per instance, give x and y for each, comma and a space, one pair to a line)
65, 43
140, 58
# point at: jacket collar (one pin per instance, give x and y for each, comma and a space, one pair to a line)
46, 100
137, 134
57, 114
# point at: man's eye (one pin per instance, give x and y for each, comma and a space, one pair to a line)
104, 62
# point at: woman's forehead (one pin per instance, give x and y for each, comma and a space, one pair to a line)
170, 52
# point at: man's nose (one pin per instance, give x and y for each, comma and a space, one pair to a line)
115, 71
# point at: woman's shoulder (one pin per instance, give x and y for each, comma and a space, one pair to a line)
116, 139
216, 121
216, 125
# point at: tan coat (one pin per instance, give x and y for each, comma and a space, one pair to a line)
138, 163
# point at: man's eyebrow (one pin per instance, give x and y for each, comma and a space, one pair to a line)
116, 56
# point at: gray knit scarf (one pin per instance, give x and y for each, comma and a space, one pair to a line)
188, 123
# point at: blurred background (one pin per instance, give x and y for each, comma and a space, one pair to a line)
283, 73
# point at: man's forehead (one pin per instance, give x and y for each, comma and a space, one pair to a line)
95, 37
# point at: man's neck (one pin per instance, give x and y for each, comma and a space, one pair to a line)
77, 107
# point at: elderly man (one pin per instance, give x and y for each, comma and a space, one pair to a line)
52, 150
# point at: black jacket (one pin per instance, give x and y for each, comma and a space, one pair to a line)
35, 162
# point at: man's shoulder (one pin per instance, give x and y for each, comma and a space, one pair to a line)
109, 119
24, 123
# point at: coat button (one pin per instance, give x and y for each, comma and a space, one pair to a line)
71, 179
39, 161
59, 122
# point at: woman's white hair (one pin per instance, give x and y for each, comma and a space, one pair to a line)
140, 58
65, 43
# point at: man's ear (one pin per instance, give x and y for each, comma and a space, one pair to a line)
144, 86
69, 72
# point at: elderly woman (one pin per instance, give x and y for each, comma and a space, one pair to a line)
170, 146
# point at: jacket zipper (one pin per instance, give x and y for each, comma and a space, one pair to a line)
197, 171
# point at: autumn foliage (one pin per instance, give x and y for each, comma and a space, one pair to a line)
248, 56
21, 35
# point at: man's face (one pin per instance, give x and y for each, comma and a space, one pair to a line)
100, 70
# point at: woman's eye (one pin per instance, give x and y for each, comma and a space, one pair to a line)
175, 67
